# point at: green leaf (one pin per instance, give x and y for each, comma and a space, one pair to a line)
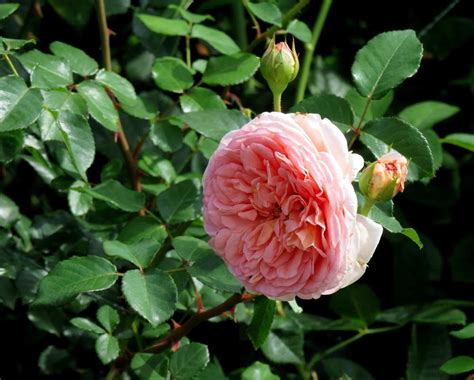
212, 271
435, 147
79, 61
63, 100
117, 195
152, 294
77, 137
284, 347
193, 18
20, 106
99, 103
391, 224
402, 137
107, 348
11, 144
457, 365
149, 366
7, 9
79, 203
200, 99
75, 13
180, 203
336, 109
258, 371
377, 107
14, 44
47, 71
386, 61
441, 314
188, 361
231, 69
108, 317
465, 333
73, 276
172, 74
86, 325
263, 313
217, 39
141, 253
116, 7
54, 360
356, 302
166, 136
266, 11
425, 114
463, 140
165, 26
156, 166
144, 227
428, 350
120, 86
338, 368
190, 248
299, 30
214, 123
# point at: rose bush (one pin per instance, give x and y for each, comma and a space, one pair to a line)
281, 210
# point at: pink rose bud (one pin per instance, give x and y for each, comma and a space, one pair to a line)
280, 208
279, 66
384, 178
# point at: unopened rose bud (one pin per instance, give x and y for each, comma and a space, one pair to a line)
384, 178
279, 66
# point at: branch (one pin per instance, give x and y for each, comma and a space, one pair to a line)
196, 319
107, 62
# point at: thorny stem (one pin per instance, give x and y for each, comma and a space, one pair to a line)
254, 20
188, 50
310, 48
10, 64
181, 331
290, 15
107, 62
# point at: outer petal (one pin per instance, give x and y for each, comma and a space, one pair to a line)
368, 236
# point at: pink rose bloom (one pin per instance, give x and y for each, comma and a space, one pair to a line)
281, 210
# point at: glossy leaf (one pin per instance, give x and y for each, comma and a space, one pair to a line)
20, 106
172, 74
7, 9
144, 227
217, 39
403, 138
76, 13
230, 70
463, 140
107, 348
79, 203
190, 248
164, 26
87, 325
99, 104
79, 61
213, 123
299, 30
458, 364
188, 361
426, 114
117, 195
108, 317
465, 333
77, 137
357, 302
74, 276
266, 11
386, 61
263, 313
200, 99
141, 253
284, 347
259, 371
166, 136
149, 366
180, 203
338, 368
336, 109
9, 211
377, 107
151, 294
